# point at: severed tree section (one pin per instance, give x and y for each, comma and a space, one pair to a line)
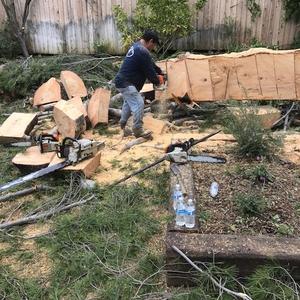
256, 74
73, 84
32, 159
17, 127
69, 117
98, 107
48, 92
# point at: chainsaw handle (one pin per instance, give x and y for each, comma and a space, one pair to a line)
64, 150
43, 137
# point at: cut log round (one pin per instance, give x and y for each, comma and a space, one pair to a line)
70, 120
155, 125
73, 84
98, 107
88, 166
17, 126
32, 160
47, 93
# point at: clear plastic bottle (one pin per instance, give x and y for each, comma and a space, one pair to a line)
176, 194
214, 189
190, 214
180, 212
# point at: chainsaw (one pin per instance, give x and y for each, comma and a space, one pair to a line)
71, 150
179, 152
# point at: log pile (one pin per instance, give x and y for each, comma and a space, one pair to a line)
66, 118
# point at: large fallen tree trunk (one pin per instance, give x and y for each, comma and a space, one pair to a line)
256, 74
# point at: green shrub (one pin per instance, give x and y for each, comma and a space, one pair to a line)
200, 4
170, 18
284, 229
254, 9
258, 173
292, 9
9, 46
252, 139
250, 204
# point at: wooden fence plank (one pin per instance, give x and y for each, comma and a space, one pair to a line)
56, 26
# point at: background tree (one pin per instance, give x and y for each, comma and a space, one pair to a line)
17, 28
170, 18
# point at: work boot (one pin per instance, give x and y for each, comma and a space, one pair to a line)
140, 132
127, 132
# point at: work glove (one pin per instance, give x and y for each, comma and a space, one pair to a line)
161, 79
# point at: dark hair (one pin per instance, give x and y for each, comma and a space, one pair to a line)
151, 35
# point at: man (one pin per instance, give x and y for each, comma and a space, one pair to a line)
136, 68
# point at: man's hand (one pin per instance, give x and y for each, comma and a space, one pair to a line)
161, 79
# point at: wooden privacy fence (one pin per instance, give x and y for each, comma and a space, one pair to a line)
57, 26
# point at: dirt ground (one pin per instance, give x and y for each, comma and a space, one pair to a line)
221, 215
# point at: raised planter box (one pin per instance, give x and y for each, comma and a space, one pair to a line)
245, 252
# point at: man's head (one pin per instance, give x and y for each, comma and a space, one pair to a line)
150, 39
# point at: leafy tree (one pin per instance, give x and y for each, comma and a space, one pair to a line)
170, 18
292, 9
18, 29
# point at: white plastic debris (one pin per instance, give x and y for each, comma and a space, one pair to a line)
88, 184
214, 189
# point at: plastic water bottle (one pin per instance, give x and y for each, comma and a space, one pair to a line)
176, 194
180, 212
190, 214
214, 189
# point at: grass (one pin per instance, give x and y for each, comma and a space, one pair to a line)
104, 250
93, 249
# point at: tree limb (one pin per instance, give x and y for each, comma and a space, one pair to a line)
23, 192
214, 281
37, 217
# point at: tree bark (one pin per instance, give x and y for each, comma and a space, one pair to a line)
17, 28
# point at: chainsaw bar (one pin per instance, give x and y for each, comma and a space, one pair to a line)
206, 159
34, 175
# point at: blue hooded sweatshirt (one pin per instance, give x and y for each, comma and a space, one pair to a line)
136, 68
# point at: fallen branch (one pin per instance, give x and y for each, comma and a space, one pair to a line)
91, 59
23, 192
37, 217
284, 116
214, 281
135, 142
